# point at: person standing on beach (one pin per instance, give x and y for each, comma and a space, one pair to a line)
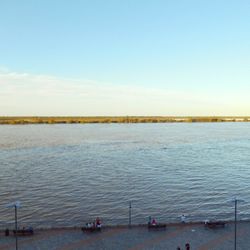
149, 220
98, 222
154, 222
183, 219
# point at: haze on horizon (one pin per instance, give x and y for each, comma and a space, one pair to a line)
114, 58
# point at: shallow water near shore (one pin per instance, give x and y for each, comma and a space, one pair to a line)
67, 174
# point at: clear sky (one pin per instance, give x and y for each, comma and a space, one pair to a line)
130, 57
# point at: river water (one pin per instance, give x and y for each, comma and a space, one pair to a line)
64, 175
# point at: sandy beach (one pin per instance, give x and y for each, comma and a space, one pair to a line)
135, 238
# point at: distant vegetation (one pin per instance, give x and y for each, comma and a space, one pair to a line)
116, 119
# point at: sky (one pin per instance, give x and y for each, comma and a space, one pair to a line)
131, 57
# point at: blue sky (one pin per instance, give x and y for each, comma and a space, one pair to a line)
139, 57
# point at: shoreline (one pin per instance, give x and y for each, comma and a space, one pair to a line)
123, 226
138, 237
22, 120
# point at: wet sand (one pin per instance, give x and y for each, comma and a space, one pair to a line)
135, 238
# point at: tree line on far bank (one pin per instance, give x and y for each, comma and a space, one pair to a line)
118, 119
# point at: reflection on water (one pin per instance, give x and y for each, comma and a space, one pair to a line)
67, 174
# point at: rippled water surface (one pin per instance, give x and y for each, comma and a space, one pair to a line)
67, 174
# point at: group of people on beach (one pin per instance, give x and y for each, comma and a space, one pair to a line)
95, 224
153, 221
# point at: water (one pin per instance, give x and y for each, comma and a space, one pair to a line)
65, 175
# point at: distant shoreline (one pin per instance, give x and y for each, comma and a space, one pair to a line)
15, 120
